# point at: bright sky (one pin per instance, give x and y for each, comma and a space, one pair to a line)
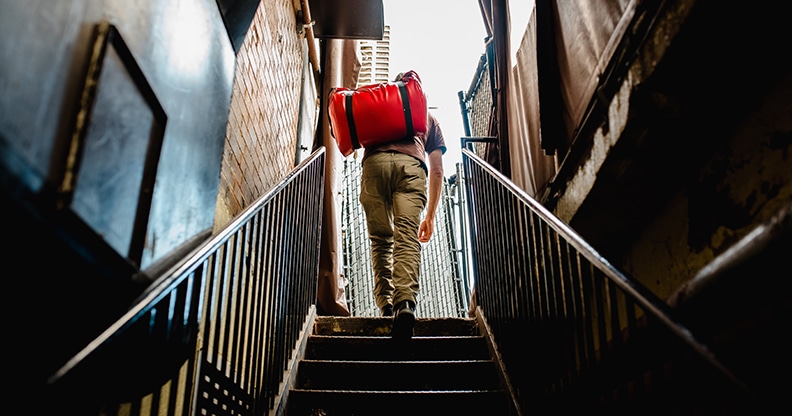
441, 40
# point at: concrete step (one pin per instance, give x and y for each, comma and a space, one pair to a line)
398, 375
340, 326
328, 347
352, 366
386, 403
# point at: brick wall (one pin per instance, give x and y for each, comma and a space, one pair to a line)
261, 136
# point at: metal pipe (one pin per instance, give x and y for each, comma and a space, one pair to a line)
313, 56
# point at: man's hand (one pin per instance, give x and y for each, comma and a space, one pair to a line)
425, 230
435, 186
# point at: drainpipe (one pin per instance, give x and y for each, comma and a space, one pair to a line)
309, 36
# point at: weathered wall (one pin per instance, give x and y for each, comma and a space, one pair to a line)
742, 186
184, 53
695, 150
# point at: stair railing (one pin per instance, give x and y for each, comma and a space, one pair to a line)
575, 333
215, 333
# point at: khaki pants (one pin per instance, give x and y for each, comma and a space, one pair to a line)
393, 195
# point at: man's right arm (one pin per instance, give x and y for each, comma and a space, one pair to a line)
435, 187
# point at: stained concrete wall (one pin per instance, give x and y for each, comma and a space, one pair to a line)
696, 148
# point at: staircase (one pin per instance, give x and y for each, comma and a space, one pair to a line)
351, 366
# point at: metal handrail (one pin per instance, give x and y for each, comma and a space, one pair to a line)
536, 277
215, 333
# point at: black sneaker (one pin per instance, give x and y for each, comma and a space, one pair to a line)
387, 310
403, 320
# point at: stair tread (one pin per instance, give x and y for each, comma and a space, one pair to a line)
397, 402
400, 362
383, 392
388, 337
397, 375
388, 349
381, 326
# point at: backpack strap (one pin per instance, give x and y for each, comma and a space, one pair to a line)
405, 97
353, 137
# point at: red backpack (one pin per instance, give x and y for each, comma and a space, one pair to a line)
377, 113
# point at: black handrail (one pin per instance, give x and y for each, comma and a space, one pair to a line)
215, 333
567, 321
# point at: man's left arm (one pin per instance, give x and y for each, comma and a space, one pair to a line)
435, 186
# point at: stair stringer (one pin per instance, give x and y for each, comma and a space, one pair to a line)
290, 374
485, 331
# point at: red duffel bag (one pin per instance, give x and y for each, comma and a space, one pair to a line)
377, 113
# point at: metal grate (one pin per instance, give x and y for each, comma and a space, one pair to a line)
443, 292
479, 104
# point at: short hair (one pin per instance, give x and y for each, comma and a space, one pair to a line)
398, 77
